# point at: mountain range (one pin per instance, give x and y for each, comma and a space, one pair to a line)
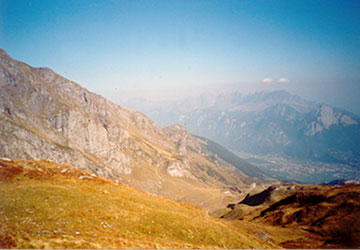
45, 116
271, 125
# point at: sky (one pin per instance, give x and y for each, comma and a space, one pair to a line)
171, 49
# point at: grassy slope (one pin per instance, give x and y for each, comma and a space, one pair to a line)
50, 205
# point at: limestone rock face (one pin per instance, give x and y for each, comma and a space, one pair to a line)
43, 115
178, 169
51, 110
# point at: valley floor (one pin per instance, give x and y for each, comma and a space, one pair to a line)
287, 169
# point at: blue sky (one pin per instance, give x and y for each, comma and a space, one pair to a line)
168, 49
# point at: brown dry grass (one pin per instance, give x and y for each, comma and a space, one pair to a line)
50, 205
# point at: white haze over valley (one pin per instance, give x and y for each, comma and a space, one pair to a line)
343, 96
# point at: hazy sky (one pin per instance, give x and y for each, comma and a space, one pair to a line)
167, 49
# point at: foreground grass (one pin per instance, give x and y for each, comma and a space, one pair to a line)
50, 205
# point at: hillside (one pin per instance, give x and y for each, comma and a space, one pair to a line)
45, 204
45, 116
230, 157
320, 216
